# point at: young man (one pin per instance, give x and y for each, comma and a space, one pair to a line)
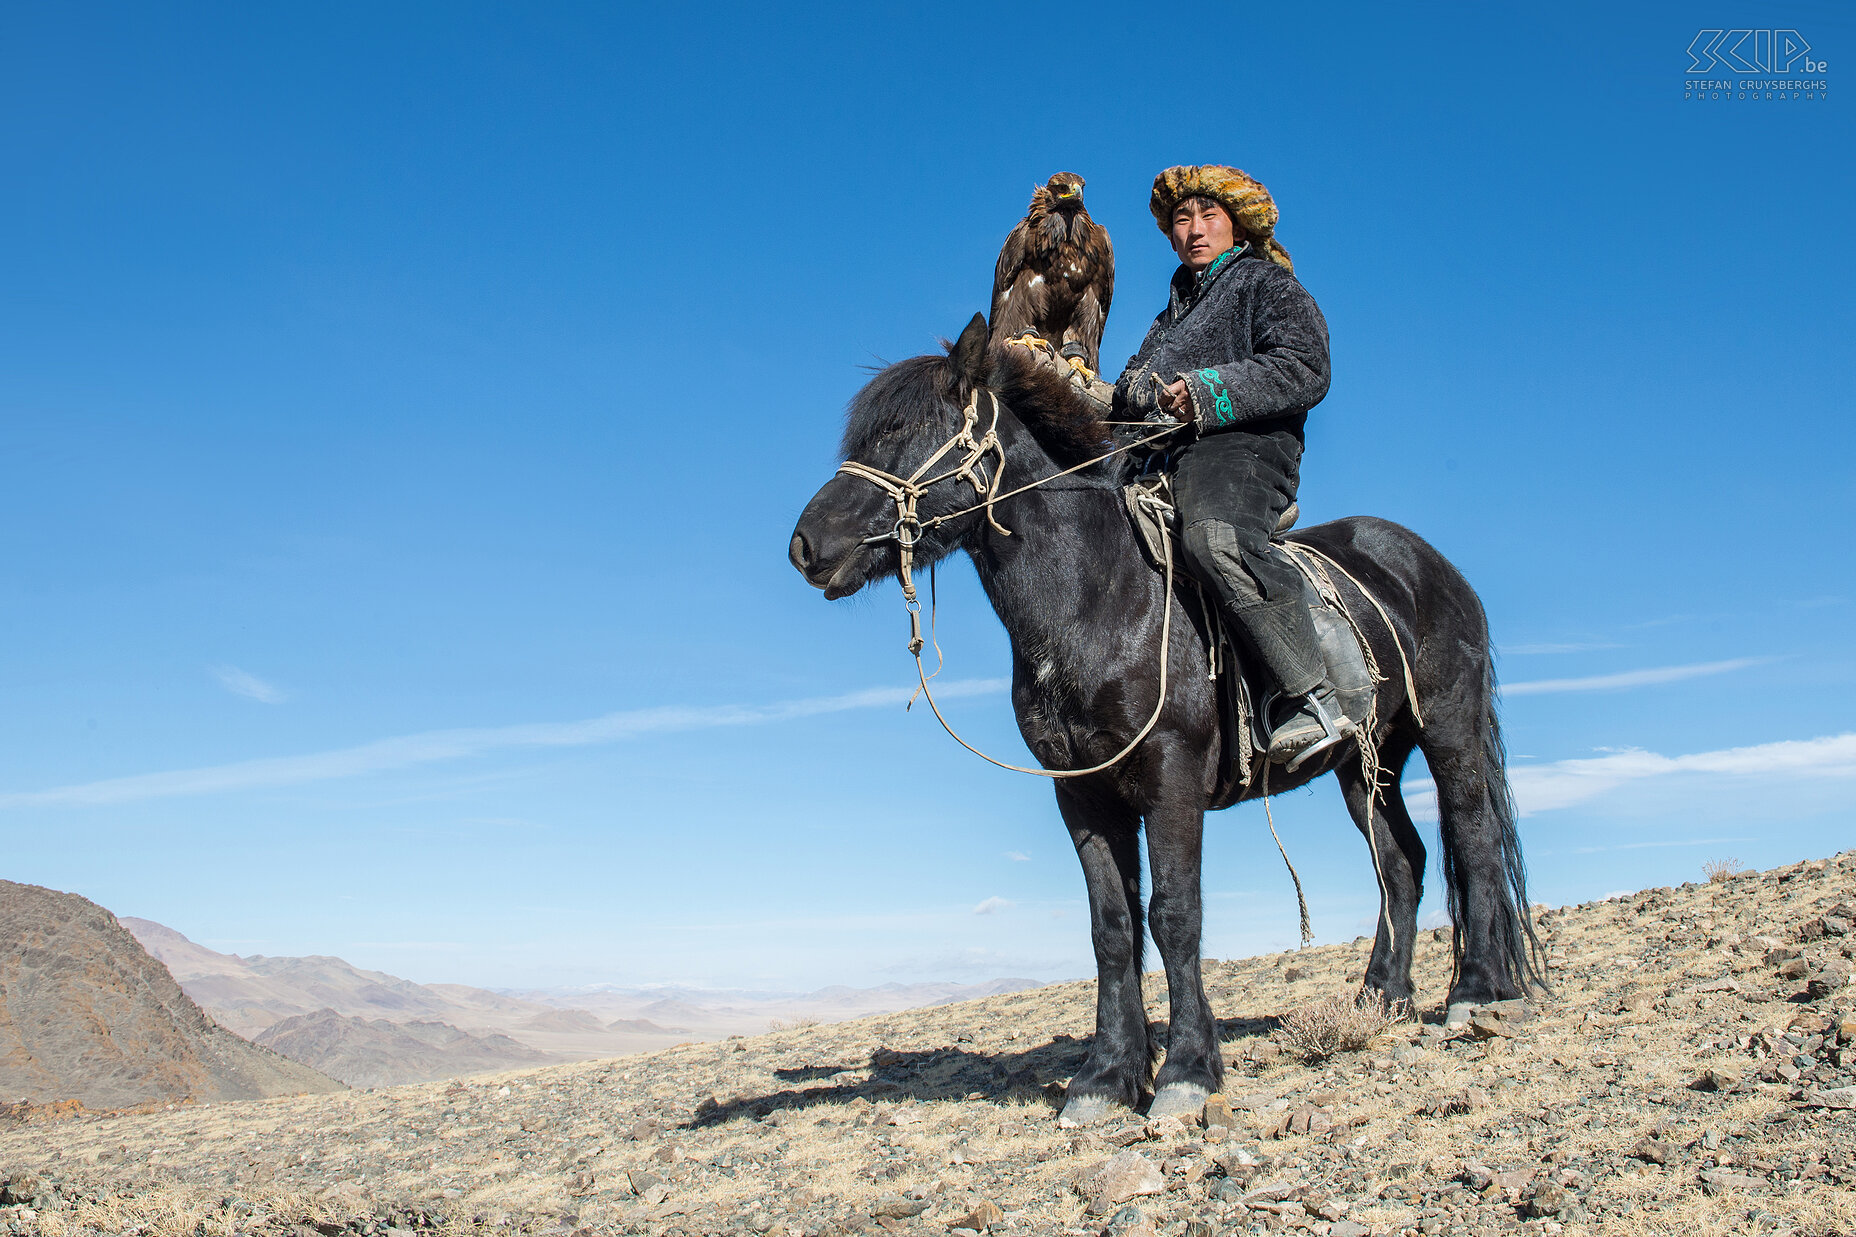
1241, 353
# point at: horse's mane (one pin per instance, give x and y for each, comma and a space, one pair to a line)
922, 391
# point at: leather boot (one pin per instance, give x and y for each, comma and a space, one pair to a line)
1308, 726
1311, 719
1284, 639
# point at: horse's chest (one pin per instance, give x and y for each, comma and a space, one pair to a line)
1057, 716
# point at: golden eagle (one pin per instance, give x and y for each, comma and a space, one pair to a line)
1056, 273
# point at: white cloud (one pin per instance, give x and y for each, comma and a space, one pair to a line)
1018, 856
1523, 649
1593, 850
1542, 788
243, 683
991, 904
1564, 783
1630, 678
439, 745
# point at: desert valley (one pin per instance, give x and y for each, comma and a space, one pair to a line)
1692, 1072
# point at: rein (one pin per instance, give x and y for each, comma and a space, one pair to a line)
906, 493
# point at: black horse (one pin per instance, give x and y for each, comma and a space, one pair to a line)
1083, 609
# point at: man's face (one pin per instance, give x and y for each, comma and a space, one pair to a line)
1201, 231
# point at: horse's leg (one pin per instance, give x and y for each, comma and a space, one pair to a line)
1399, 856
1483, 873
1106, 833
1193, 1069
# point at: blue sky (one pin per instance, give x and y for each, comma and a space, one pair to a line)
404, 410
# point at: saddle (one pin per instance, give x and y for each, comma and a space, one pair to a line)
1245, 691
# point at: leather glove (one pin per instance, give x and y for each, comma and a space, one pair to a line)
1139, 400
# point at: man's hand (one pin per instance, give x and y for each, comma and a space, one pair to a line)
1174, 399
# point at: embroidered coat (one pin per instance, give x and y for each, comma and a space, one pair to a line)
1247, 338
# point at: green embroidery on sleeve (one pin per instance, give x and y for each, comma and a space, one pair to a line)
1221, 398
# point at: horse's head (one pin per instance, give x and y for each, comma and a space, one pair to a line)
925, 442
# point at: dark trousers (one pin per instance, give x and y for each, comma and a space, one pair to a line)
1231, 488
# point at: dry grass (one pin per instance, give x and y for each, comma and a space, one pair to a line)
1719, 871
1339, 1024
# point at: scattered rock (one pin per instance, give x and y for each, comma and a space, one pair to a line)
1653, 1150
1722, 1076
1128, 1222
1309, 1120
1828, 979
1718, 1181
1837, 1098
1218, 1113
896, 1207
1128, 1175
1548, 1199
982, 1217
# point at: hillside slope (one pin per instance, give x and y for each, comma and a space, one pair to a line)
376, 1053
88, 1015
253, 994
1693, 1073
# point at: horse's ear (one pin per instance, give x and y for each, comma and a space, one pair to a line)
969, 352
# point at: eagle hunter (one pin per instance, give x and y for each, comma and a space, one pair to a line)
1056, 273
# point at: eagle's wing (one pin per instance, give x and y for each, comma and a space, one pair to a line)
1007, 319
1092, 306
1102, 254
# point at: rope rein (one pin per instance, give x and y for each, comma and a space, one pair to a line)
1166, 640
906, 493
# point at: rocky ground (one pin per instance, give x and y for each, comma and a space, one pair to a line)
1692, 1073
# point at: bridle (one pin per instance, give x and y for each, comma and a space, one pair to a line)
906, 493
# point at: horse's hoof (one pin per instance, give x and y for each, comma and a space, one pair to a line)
1178, 1099
1088, 1110
1458, 1015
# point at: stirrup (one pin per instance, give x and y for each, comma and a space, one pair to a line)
1333, 731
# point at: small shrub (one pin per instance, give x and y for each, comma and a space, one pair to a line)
1339, 1024
798, 1024
1721, 870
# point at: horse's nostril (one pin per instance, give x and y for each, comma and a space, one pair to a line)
800, 552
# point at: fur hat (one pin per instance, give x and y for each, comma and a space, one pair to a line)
1252, 209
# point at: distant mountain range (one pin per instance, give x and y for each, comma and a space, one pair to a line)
712, 1013
253, 995
368, 1028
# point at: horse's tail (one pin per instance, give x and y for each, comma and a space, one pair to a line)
1513, 930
